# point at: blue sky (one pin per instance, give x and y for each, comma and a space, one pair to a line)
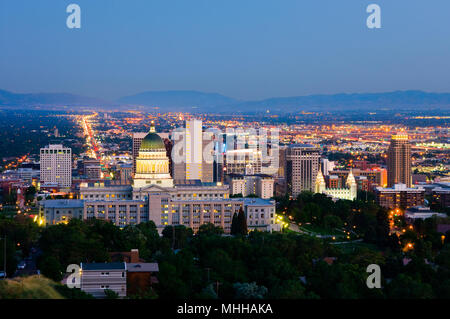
246, 49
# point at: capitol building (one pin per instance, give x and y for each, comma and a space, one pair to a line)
154, 195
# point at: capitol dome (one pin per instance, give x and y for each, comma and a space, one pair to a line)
152, 141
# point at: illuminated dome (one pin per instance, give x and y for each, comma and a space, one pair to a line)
152, 163
152, 141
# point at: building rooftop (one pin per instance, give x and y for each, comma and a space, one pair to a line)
103, 266
302, 145
193, 183
257, 202
400, 187
62, 203
142, 267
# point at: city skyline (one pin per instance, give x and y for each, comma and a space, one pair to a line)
236, 153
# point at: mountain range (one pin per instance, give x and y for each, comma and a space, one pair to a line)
195, 101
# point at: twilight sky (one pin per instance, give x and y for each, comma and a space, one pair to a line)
246, 49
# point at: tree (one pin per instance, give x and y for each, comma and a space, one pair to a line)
234, 225
290, 289
29, 193
178, 235
249, 291
382, 228
207, 293
406, 287
51, 268
331, 221
209, 229
242, 223
111, 294
11, 261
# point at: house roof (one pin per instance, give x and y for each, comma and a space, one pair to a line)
104, 266
142, 267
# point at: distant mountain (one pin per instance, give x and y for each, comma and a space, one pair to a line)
179, 100
195, 101
404, 100
46, 99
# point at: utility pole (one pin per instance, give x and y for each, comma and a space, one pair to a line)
4, 256
217, 288
173, 237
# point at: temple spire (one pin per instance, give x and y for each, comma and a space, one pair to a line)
152, 127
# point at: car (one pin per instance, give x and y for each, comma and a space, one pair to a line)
2, 274
21, 265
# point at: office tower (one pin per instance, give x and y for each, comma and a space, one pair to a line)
207, 163
302, 166
125, 173
246, 161
193, 165
56, 165
194, 148
327, 166
399, 160
92, 168
282, 162
137, 140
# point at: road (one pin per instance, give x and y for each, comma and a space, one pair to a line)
30, 268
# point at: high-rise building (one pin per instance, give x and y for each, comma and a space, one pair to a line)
399, 160
247, 161
137, 140
194, 149
194, 165
92, 168
302, 166
327, 166
125, 173
56, 165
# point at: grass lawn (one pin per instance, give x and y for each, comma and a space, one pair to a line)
351, 247
322, 231
32, 287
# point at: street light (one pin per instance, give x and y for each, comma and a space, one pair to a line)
4, 256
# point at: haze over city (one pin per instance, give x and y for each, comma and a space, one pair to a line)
248, 50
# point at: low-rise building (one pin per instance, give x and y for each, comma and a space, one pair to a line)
260, 185
421, 212
260, 214
400, 196
442, 196
141, 277
97, 277
60, 210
